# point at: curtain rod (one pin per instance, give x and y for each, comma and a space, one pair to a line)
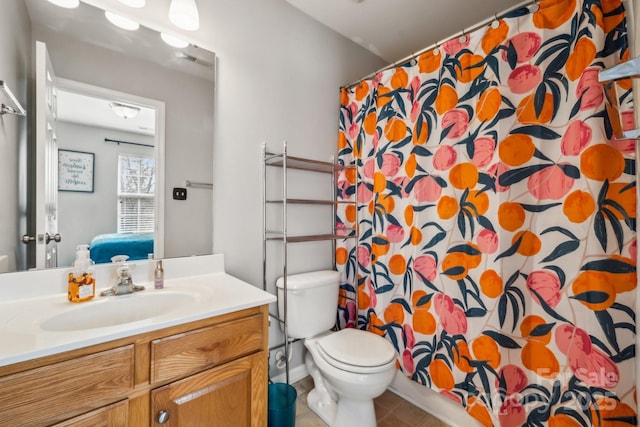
471, 29
127, 142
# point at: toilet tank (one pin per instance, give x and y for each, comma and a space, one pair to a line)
312, 302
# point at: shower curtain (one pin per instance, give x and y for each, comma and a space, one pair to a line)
496, 218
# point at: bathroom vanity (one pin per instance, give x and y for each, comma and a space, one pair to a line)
201, 360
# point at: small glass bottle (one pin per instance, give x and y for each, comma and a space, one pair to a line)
81, 283
158, 276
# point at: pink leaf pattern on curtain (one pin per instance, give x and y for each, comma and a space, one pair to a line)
496, 217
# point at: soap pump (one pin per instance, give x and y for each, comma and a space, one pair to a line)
82, 284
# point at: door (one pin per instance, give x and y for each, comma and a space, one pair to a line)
45, 235
231, 395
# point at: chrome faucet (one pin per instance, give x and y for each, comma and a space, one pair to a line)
124, 282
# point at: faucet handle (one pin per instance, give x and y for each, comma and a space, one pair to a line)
119, 259
123, 280
120, 262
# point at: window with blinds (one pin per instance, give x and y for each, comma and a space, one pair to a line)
136, 188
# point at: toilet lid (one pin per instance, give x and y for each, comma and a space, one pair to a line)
351, 349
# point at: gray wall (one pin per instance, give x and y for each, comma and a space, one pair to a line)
14, 69
98, 213
189, 128
279, 74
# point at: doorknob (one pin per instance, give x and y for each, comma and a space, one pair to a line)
56, 237
26, 239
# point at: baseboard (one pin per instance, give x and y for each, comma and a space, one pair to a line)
432, 402
295, 374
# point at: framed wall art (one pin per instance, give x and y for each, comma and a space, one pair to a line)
75, 171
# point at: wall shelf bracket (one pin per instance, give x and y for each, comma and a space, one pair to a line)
8, 102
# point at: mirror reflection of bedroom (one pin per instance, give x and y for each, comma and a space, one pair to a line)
112, 143
134, 68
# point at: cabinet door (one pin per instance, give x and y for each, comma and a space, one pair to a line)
230, 395
110, 416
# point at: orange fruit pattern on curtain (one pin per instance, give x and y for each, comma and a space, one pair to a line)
496, 218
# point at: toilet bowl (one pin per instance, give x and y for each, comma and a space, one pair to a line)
349, 368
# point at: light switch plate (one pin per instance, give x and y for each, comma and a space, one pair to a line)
179, 193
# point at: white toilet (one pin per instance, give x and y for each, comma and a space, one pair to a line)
349, 367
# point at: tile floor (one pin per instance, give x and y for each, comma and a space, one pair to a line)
391, 410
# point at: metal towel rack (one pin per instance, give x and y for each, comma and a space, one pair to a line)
14, 106
196, 184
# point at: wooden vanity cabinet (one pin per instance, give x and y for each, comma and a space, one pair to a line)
220, 396
208, 372
216, 397
109, 416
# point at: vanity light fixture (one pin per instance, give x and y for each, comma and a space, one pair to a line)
133, 3
124, 111
184, 14
174, 41
67, 4
121, 21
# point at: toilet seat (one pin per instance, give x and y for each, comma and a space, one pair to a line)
356, 351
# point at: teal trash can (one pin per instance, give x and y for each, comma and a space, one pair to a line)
282, 405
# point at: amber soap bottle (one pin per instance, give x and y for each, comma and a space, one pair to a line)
82, 284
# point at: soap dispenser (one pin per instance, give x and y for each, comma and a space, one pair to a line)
82, 284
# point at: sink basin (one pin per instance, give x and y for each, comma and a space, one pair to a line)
116, 310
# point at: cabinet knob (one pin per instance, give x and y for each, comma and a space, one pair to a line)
163, 417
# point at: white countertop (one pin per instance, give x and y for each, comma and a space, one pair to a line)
24, 333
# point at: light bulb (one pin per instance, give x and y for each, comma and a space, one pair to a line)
173, 41
184, 14
133, 3
121, 21
67, 4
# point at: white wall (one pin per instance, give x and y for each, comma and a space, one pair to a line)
14, 66
279, 74
188, 128
82, 216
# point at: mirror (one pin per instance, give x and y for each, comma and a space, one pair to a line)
87, 51
106, 137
